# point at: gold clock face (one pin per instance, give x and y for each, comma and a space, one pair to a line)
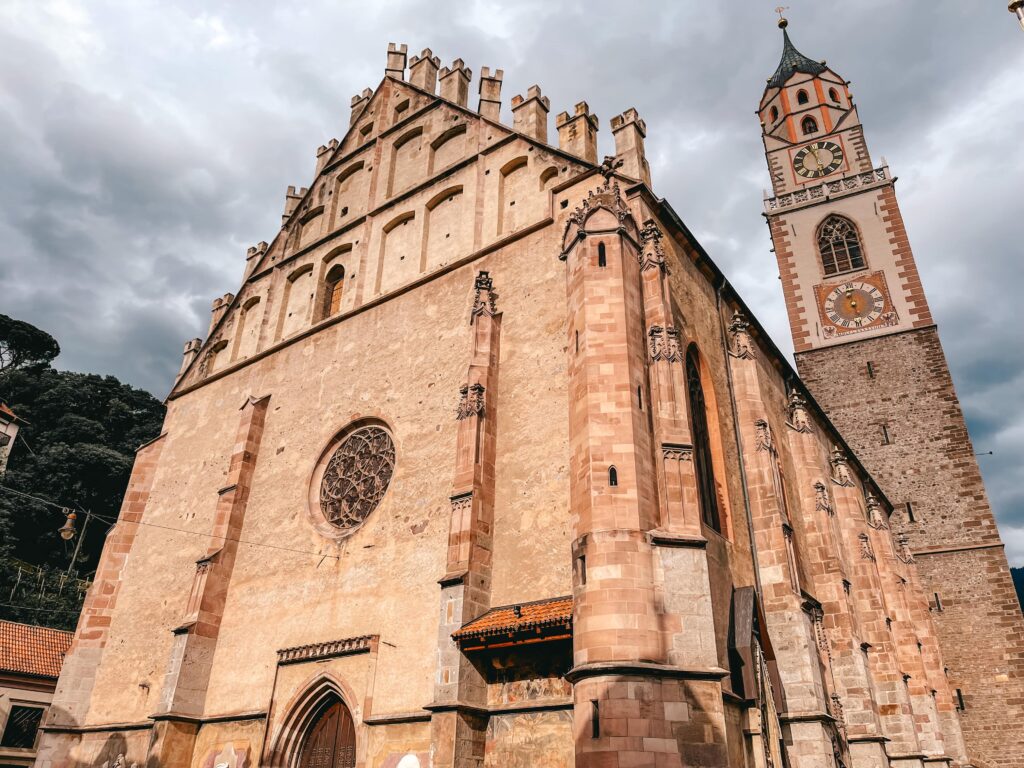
854, 304
817, 159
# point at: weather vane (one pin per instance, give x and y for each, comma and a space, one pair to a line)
782, 19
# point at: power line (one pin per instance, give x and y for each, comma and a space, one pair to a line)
112, 521
42, 610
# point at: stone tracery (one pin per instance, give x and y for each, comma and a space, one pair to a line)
357, 476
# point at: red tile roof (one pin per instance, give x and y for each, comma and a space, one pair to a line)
509, 619
28, 650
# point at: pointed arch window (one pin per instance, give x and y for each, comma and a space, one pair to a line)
809, 125
334, 283
839, 245
707, 489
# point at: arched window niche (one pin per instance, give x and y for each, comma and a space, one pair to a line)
801, 96
809, 125
708, 458
839, 245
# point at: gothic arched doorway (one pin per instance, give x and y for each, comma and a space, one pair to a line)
331, 739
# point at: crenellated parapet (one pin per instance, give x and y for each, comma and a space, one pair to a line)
423, 70
530, 114
490, 93
577, 133
397, 53
454, 82
629, 131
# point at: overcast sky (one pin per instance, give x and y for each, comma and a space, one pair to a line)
144, 144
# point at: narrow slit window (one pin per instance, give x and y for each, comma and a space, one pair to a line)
910, 513
613, 477
595, 720
886, 438
581, 567
960, 700
602, 256
938, 602
640, 397
871, 370
707, 488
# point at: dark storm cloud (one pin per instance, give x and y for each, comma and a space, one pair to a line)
146, 146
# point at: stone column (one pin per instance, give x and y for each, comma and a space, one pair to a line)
183, 696
850, 689
895, 712
632, 705
73, 695
805, 720
459, 718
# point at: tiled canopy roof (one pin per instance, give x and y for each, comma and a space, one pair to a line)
515, 619
792, 62
28, 650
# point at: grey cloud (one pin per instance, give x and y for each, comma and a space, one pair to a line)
146, 146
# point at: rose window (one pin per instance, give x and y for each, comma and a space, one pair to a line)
357, 476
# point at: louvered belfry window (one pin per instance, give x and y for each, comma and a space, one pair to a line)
839, 246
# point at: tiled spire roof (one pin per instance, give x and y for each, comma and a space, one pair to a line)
792, 62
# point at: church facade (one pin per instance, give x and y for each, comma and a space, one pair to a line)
487, 464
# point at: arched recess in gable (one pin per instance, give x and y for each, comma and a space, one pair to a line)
406, 161
297, 301
247, 335
351, 187
447, 149
512, 186
443, 229
399, 256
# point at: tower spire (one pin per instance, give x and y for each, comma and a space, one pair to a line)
792, 60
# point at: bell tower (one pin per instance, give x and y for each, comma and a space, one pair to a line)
869, 350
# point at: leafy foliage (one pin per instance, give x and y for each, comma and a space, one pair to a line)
76, 447
23, 345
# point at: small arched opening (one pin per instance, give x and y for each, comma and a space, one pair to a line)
801, 96
809, 125
613, 477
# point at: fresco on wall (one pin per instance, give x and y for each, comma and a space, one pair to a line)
530, 740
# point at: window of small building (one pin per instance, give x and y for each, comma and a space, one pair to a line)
839, 245
334, 283
707, 489
809, 125
22, 727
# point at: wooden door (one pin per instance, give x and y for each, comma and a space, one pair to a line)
331, 742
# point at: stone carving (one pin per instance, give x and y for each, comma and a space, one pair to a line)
836, 710
875, 517
822, 503
865, 547
903, 548
652, 254
742, 346
889, 319
763, 436
664, 343
825, 190
840, 469
484, 296
357, 476
799, 419
461, 503
326, 650
675, 452
471, 402
607, 196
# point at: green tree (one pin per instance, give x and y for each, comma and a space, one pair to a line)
76, 448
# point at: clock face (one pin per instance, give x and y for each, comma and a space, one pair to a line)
818, 159
854, 305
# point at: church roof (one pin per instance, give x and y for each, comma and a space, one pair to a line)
792, 61
29, 650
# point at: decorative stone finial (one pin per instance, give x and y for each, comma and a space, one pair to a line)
471, 401
484, 296
652, 254
840, 469
875, 517
799, 419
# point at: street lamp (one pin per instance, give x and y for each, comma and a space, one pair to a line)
67, 531
1016, 7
